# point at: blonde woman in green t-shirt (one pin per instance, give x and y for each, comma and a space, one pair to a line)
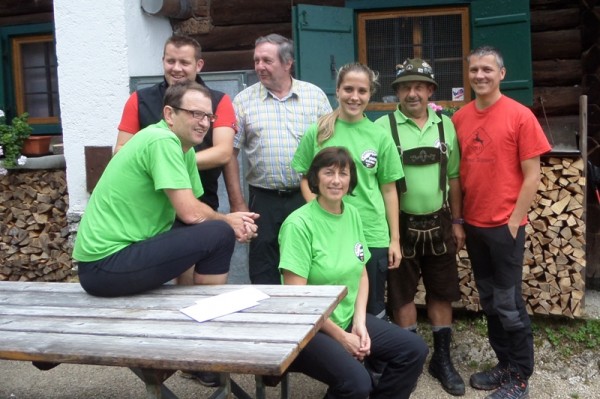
378, 168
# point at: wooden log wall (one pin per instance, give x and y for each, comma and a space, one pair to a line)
227, 29
34, 231
590, 58
556, 56
26, 11
554, 262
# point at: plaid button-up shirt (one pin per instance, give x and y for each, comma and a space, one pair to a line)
271, 128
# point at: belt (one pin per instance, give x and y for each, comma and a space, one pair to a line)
284, 192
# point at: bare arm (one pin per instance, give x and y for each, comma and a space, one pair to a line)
531, 181
122, 138
359, 327
190, 211
392, 209
455, 199
351, 342
231, 175
221, 151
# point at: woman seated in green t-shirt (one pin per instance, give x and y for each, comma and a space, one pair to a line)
323, 243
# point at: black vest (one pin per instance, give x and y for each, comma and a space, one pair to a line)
150, 107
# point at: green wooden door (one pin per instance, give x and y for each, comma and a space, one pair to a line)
324, 41
506, 25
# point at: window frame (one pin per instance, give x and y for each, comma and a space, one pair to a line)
18, 74
369, 15
7, 87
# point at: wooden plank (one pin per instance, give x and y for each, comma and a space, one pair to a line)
557, 72
239, 317
291, 305
155, 353
566, 44
178, 290
189, 329
218, 61
544, 20
25, 7
559, 100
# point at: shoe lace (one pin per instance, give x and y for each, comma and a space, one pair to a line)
499, 373
512, 390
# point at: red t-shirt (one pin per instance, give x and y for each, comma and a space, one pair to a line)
493, 143
130, 122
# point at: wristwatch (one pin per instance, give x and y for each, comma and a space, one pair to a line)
458, 221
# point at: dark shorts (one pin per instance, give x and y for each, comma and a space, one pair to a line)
439, 272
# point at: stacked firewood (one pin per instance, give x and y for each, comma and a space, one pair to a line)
554, 263
34, 231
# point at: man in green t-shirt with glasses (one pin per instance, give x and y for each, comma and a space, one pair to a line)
144, 225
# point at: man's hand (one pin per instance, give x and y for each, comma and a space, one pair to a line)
458, 232
394, 254
243, 225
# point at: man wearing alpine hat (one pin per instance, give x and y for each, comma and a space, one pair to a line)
431, 228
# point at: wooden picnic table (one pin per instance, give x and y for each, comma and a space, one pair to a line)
59, 323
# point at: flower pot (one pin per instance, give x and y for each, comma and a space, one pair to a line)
36, 146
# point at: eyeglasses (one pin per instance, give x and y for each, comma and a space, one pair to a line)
199, 115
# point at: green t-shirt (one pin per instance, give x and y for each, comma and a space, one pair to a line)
423, 194
129, 204
377, 162
326, 249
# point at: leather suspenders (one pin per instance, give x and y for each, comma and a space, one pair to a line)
423, 155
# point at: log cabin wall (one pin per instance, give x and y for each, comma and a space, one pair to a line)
26, 12
590, 60
227, 29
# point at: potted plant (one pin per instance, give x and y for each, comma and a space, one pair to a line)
12, 138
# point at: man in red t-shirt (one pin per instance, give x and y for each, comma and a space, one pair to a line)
501, 142
182, 61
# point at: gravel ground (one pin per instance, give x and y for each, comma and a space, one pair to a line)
554, 378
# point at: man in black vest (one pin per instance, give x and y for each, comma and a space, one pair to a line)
431, 228
182, 61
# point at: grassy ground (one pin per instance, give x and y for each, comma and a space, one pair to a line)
568, 337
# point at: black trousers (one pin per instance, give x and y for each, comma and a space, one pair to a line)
497, 262
150, 263
402, 352
377, 270
273, 208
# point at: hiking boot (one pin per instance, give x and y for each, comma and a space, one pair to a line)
490, 379
206, 378
516, 388
441, 367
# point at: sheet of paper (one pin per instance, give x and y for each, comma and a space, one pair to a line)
223, 304
241, 295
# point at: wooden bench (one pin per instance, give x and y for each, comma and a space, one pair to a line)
52, 323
